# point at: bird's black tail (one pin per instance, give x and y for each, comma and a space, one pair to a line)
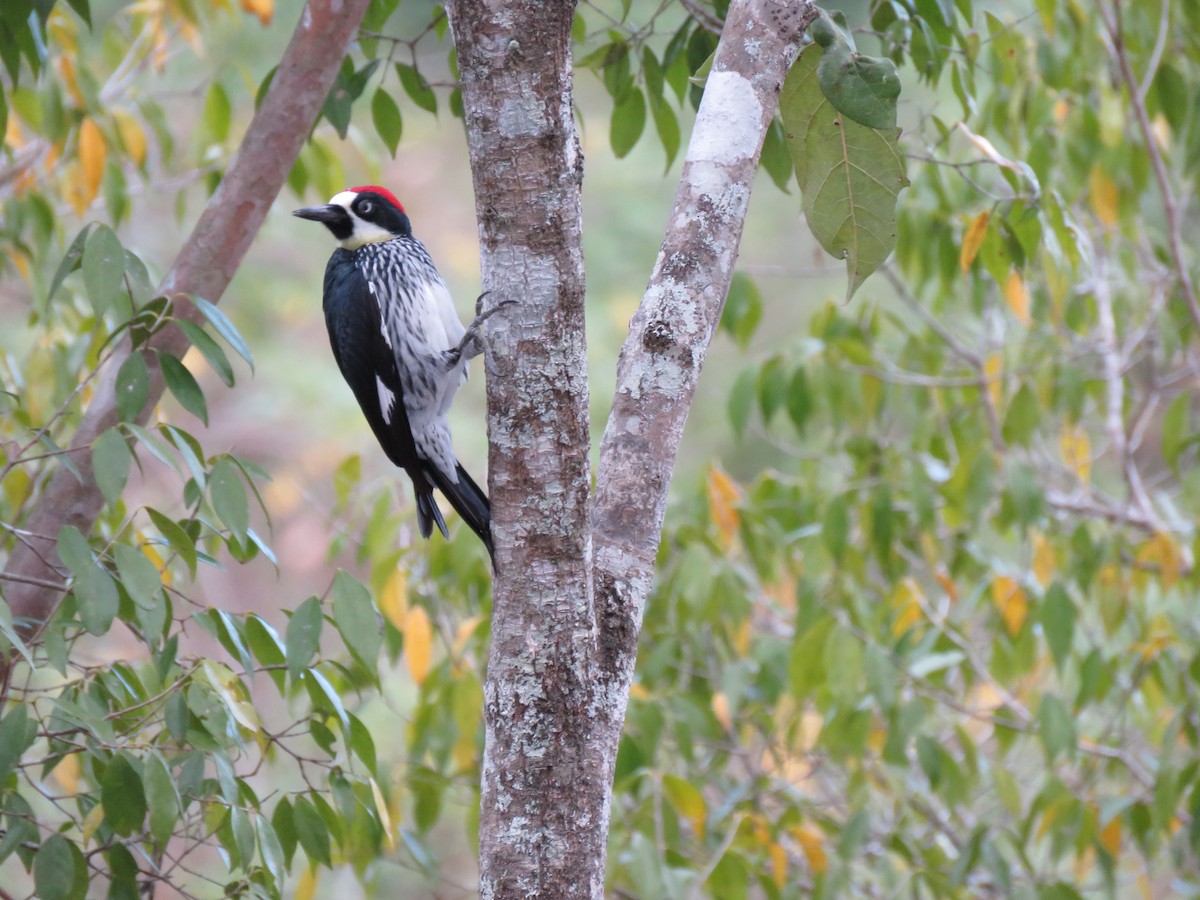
469, 501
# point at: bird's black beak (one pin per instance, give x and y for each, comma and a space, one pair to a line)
326, 215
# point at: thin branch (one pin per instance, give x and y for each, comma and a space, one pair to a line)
1171, 212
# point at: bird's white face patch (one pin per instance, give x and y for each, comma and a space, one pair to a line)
364, 232
387, 400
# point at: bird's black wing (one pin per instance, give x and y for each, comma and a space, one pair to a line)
368, 364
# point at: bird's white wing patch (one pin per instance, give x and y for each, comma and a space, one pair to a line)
383, 325
436, 310
387, 400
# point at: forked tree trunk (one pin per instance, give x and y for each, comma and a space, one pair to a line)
565, 626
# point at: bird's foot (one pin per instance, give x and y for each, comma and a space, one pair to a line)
474, 340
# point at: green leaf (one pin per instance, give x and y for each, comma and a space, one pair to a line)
628, 122
122, 796
1022, 417
267, 647
775, 159
1058, 623
95, 593
284, 823
836, 527
303, 635
103, 269
180, 541
800, 399
163, 796
209, 349
133, 387
741, 400
71, 260
850, 175
1056, 728
218, 113
123, 874
17, 732
221, 324
20, 825
1176, 429
417, 87
271, 849
228, 493
59, 870
311, 831
111, 461
666, 124
139, 576
385, 113
356, 619
183, 385
864, 88
743, 309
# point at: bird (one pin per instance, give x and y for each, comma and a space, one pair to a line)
401, 347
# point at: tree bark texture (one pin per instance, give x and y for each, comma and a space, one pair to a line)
543, 817
564, 634
204, 267
669, 336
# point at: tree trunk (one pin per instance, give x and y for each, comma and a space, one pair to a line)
204, 267
543, 819
562, 653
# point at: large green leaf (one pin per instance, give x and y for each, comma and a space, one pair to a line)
850, 175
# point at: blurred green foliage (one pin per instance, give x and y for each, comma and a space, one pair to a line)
939, 644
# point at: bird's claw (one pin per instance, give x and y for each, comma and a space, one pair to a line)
474, 341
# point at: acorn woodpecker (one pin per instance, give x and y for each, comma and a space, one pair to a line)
400, 346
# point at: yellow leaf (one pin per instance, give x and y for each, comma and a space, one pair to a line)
637, 691
812, 841
264, 9
92, 154
1076, 451
720, 708
723, 497
972, 240
1102, 194
1110, 837
1045, 560
66, 773
393, 599
75, 188
66, 67
778, 864
12, 133
687, 800
1161, 129
1161, 554
91, 822
942, 576
418, 643
1060, 110
151, 553
306, 884
741, 638
1011, 601
993, 368
133, 138
466, 628
907, 600
1016, 295
385, 818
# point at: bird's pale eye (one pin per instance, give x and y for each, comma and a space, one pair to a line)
366, 207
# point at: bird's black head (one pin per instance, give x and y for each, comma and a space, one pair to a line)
361, 215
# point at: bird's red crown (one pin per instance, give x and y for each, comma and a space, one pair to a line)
383, 192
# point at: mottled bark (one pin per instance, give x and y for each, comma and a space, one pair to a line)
670, 334
543, 821
563, 645
204, 267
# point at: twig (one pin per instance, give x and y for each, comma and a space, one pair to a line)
1115, 29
